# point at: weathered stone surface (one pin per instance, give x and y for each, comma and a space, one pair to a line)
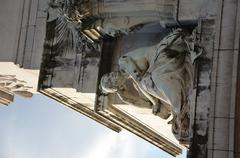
163, 74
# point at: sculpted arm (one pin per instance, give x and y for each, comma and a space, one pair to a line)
130, 95
127, 64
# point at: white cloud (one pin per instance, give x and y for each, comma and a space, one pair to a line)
117, 145
38, 130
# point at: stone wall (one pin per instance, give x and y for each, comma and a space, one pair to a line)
22, 31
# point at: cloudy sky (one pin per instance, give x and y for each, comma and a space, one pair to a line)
42, 128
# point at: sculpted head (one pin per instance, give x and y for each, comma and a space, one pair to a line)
112, 81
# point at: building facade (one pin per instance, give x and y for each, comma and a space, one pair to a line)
72, 62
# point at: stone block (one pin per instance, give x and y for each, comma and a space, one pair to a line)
43, 5
38, 43
210, 153
223, 96
221, 134
33, 12
21, 46
26, 13
226, 20
231, 134
220, 154
195, 9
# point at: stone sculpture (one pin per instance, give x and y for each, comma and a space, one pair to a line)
162, 75
159, 77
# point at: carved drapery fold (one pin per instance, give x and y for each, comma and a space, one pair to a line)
163, 76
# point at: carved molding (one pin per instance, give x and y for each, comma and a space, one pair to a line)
10, 86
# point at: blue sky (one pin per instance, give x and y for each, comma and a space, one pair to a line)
42, 128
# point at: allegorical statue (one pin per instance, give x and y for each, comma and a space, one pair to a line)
162, 76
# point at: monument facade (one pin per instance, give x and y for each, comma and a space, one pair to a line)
165, 70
